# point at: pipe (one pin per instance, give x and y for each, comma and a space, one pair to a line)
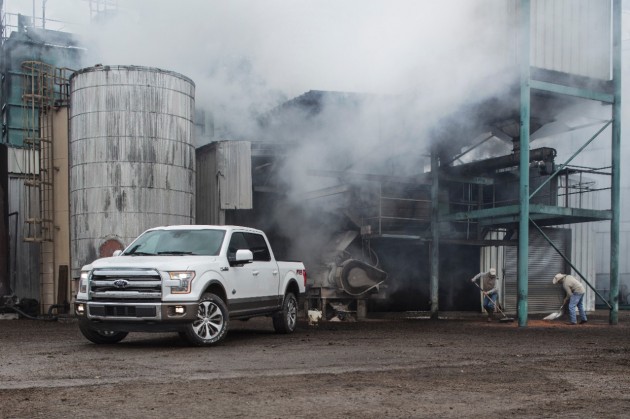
523, 226
44, 14
7, 285
435, 234
49, 318
545, 154
615, 198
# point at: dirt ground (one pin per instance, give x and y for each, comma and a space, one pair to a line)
408, 367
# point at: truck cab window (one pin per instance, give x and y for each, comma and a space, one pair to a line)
237, 241
258, 246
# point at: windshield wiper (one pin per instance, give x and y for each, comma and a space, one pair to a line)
174, 252
139, 254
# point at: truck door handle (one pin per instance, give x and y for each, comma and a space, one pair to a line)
255, 273
275, 273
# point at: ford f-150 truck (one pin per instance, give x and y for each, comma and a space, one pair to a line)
190, 279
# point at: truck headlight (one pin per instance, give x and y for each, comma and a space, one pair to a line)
185, 281
83, 282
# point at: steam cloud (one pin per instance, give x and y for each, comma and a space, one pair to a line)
410, 62
247, 56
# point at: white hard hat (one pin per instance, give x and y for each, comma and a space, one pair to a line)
558, 277
492, 272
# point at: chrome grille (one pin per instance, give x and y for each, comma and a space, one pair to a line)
125, 284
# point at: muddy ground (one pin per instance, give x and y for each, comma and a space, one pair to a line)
458, 366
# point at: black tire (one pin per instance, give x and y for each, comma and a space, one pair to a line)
100, 336
211, 324
285, 320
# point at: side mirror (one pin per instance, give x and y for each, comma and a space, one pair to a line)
243, 256
117, 252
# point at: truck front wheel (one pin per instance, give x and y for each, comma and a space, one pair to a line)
211, 324
285, 320
100, 336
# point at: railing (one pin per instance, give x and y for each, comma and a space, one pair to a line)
575, 187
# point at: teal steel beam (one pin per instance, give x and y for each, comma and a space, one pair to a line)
509, 220
570, 212
565, 164
534, 209
523, 229
421, 239
482, 213
476, 180
435, 234
615, 201
572, 91
568, 261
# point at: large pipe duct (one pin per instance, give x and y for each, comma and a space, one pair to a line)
544, 154
357, 278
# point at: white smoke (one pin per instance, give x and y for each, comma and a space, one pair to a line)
410, 62
247, 56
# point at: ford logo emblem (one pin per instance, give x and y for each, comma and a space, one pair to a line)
121, 283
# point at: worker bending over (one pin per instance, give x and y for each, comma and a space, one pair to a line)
488, 285
575, 296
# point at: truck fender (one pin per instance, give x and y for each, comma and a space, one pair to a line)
213, 281
215, 287
291, 286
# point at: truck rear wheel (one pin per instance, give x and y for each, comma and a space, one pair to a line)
100, 336
285, 320
211, 324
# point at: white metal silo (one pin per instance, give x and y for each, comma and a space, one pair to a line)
132, 157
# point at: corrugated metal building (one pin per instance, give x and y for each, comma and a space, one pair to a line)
224, 180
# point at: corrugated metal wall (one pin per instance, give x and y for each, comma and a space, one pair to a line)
570, 36
583, 257
544, 263
577, 242
583, 239
132, 157
224, 180
24, 261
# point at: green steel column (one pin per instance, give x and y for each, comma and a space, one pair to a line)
523, 230
435, 233
615, 202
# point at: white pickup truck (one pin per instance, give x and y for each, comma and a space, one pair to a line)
190, 279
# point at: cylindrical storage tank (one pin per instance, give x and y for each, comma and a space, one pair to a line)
132, 157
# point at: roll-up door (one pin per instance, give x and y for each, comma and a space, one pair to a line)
544, 263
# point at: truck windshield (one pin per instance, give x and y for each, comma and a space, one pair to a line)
177, 242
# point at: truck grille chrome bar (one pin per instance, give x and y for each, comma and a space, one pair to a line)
121, 284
